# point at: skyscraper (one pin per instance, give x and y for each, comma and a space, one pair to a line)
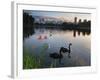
75, 20
85, 20
80, 21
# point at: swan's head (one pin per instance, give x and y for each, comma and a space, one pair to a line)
70, 44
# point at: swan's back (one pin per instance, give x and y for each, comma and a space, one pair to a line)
62, 49
55, 55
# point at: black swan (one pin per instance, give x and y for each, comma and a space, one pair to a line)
64, 50
56, 55
59, 55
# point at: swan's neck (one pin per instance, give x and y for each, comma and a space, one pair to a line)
69, 48
60, 53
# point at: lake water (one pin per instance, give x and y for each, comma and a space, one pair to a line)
43, 42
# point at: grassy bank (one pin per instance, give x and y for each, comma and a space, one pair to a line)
31, 61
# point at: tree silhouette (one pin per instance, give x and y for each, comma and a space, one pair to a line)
28, 19
28, 22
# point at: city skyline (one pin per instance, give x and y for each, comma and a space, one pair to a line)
64, 16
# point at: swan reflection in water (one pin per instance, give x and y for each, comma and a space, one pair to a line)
59, 56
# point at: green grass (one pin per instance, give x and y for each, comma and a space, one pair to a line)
30, 61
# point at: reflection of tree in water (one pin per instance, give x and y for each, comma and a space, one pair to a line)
28, 32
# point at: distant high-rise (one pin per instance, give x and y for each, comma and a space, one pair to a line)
75, 20
85, 20
80, 21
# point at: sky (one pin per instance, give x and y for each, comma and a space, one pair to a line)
66, 16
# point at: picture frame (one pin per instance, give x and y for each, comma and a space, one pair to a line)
17, 70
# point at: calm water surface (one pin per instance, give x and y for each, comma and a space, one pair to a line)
54, 39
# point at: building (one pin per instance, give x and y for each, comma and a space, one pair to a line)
75, 20
80, 21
